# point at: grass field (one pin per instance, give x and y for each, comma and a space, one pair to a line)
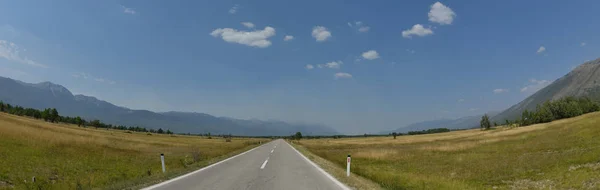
63, 156
564, 154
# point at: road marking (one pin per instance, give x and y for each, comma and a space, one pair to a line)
272, 150
340, 184
194, 172
264, 164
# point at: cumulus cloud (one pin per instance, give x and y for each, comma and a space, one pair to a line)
342, 75
370, 55
331, 65
12, 52
320, 33
248, 24
410, 51
541, 49
288, 38
417, 30
127, 10
583, 44
361, 28
309, 67
257, 38
500, 90
90, 77
364, 29
234, 9
441, 14
534, 85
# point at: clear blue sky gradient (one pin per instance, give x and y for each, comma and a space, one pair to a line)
163, 57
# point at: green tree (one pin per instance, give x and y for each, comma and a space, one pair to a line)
1, 106
54, 117
298, 136
160, 131
485, 122
78, 121
394, 134
46, 114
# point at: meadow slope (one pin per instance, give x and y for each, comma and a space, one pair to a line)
564, 154
63, 156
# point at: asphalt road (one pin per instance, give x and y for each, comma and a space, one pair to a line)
275, 165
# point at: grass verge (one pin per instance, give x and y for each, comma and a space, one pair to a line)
354, 181
563, 154
63, 156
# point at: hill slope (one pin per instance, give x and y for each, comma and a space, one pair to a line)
48, 95
583, 81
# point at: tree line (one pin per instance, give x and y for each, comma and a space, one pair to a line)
51, 115
550, 111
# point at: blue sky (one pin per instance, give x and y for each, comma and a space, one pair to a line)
464, 58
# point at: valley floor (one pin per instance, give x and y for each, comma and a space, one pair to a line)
63, 156
564, 154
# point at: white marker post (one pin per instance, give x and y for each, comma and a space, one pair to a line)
348, 166
162, 160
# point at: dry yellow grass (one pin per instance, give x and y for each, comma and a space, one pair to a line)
63, 156
564, 154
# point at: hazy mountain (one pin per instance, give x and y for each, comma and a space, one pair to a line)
48, 95
583, 81
460, 123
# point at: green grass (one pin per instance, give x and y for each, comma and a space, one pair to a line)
63, 156
563, 154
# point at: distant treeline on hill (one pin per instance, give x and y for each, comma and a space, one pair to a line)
554, 110
51, 115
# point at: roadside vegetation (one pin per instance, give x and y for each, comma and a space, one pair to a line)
65, 156
559, 154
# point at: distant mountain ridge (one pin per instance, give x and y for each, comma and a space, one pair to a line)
583, 81
49, 95
467, 122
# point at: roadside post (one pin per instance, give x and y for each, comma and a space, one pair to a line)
162, 160
348, 166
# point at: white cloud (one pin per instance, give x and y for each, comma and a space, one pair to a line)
342, 75
128, 10
534, 85
248, 24
257, 38
583, 44
410, 51
441, 14
331, 65
288, 38
370, 55
500, 90
461, 100
364, 29
88, 76
541, 49
417, 30
320, 33
361, 27
309, 67
234, 9
11, 52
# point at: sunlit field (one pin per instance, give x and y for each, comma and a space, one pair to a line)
62, 156
564, 154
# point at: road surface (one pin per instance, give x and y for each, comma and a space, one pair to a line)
275, 165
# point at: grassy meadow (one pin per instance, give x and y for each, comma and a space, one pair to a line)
64, 156
564, 154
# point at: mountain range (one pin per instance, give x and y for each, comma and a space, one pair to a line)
583, 81
49, 95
